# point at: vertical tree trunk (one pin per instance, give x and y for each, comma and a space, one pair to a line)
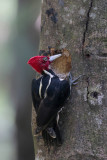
79, 26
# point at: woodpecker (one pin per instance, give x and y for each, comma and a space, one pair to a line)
49, 93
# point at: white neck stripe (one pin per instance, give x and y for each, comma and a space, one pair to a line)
48, 73
45, 95
40, 87
51, 76
49, 82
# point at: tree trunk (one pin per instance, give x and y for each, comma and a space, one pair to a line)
80, 27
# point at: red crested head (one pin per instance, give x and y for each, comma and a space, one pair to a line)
39, 63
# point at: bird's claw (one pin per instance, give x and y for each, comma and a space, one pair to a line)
38, 130
73, 82
51, 132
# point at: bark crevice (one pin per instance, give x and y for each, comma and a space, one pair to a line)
86, 25
87, 89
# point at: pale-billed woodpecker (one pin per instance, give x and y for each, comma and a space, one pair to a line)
49, 94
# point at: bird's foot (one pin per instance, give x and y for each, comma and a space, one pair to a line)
51, 132
38, 130
74, 82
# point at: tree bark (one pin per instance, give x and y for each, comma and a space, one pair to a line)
79, 26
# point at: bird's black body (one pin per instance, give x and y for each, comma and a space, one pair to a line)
49, 94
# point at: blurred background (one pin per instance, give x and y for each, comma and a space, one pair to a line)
19, 40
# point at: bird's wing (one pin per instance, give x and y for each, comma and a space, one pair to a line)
48, 109
49, 106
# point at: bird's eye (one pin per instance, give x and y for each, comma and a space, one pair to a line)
45, 59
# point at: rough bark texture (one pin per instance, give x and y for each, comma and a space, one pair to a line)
79, 26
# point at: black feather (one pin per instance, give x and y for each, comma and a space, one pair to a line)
47, 107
